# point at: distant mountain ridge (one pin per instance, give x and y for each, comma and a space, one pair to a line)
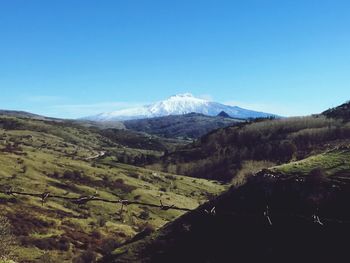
178, 105
25, 114
20, 114
191, 125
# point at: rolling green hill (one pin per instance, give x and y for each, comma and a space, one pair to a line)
65, 159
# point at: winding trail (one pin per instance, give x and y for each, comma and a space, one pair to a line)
100, 154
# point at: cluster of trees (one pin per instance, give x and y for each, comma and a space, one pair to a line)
9, 124
133, 139
340, 112
137, 160
219, 155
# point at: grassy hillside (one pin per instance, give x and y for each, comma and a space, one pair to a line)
297, 212
141, 140
192, 125
330, 164
68, 160
135, 148
222, 154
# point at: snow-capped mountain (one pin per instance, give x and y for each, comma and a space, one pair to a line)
178, 105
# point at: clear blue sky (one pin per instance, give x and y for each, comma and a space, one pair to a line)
67, 58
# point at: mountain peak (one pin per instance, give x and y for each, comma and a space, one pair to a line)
183, 95
223, 114
178, 105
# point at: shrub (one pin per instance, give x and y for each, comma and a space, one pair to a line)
134, 175
137, 197
119, 184
144, 215
87, 256
7, 240
170, 177
119, 181
108, 245
73, 175
96, 234
146, 228
101, 222
162, 189
47, 258
248, 169
52, 243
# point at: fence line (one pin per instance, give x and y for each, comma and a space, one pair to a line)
315, 218
92, 198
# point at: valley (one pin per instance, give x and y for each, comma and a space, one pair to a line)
73, 192
174, 131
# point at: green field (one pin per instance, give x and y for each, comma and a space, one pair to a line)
333, 163
62, 159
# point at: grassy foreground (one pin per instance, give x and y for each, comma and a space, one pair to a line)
43, 156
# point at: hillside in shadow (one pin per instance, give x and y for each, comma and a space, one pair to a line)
277, 216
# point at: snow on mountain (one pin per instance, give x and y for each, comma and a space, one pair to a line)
178, 105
